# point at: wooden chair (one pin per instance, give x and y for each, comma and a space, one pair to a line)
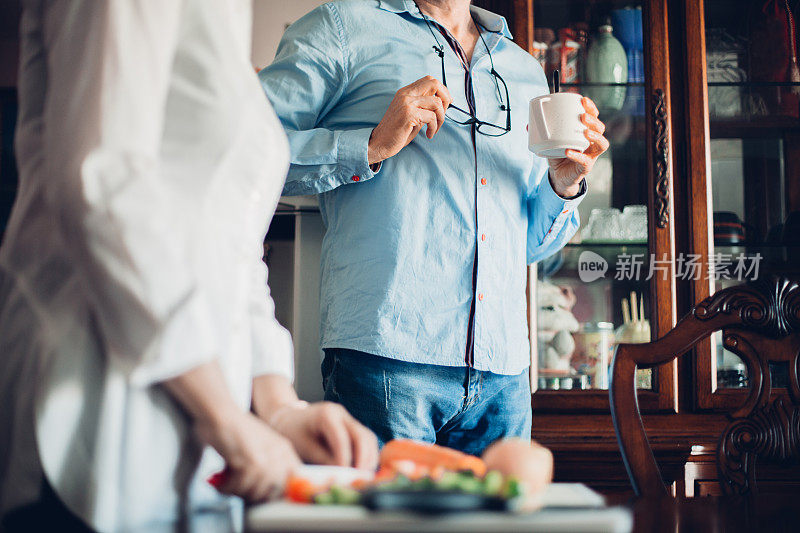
761, 324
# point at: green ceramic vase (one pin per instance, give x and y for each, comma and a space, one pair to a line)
606, 62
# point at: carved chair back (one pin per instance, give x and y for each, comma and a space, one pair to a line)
760, 322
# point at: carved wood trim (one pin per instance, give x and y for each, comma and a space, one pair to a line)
758, 374
661, 157
771, 307
770, 433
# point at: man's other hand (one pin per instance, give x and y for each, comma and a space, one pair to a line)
566, 173
423, 102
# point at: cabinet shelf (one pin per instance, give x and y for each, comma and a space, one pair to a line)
736, 128
606, 245
753, 84
757, 246
598, 84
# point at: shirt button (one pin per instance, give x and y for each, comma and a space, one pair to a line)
483, 237
480, 297
483, 181
356, 178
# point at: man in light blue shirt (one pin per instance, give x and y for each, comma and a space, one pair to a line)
423, 303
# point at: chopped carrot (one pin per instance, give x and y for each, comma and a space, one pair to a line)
430, 456
300, 490
360, 484
384, 474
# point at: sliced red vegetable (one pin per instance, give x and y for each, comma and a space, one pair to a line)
301, 490
218, 479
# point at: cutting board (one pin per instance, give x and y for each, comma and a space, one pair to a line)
566, 507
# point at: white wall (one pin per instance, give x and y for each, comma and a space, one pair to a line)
270, 18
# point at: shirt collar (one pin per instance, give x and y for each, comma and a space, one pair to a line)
488, 20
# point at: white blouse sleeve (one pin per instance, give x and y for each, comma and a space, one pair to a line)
273, 352
103, 122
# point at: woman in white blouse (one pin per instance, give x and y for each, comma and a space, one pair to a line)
140, 351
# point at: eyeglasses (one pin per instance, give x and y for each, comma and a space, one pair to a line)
466, 118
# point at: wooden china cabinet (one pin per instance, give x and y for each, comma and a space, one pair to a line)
700, 190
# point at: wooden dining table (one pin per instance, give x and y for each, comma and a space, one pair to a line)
773, 513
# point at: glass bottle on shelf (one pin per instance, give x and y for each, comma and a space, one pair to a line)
606, 64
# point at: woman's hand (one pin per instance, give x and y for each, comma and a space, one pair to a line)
258, 460
322, 433
325, 433
566, 173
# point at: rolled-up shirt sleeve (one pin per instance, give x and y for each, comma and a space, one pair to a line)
103, 122
307, 79
552, 220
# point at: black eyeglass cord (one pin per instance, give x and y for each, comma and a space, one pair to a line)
439, 49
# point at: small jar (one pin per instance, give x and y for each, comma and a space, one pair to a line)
593, 343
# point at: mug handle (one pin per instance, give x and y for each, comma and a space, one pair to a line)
540, 108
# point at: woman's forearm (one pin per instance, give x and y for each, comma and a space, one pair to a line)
203, 393
271, 392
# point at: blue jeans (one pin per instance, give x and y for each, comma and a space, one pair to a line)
458, 407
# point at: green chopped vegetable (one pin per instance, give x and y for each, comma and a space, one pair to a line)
399, 482
493, 483
423, 483
448, 481
470, 484
513, 488
344, 495
324, 498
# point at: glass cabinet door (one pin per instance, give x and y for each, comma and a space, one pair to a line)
752, 186
602, 288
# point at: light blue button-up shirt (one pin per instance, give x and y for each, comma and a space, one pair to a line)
397, 257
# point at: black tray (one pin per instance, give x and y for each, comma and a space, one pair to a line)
432, 501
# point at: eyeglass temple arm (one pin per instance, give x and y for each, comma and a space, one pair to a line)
440, 52
508, 101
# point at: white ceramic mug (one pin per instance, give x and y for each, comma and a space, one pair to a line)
554, 125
